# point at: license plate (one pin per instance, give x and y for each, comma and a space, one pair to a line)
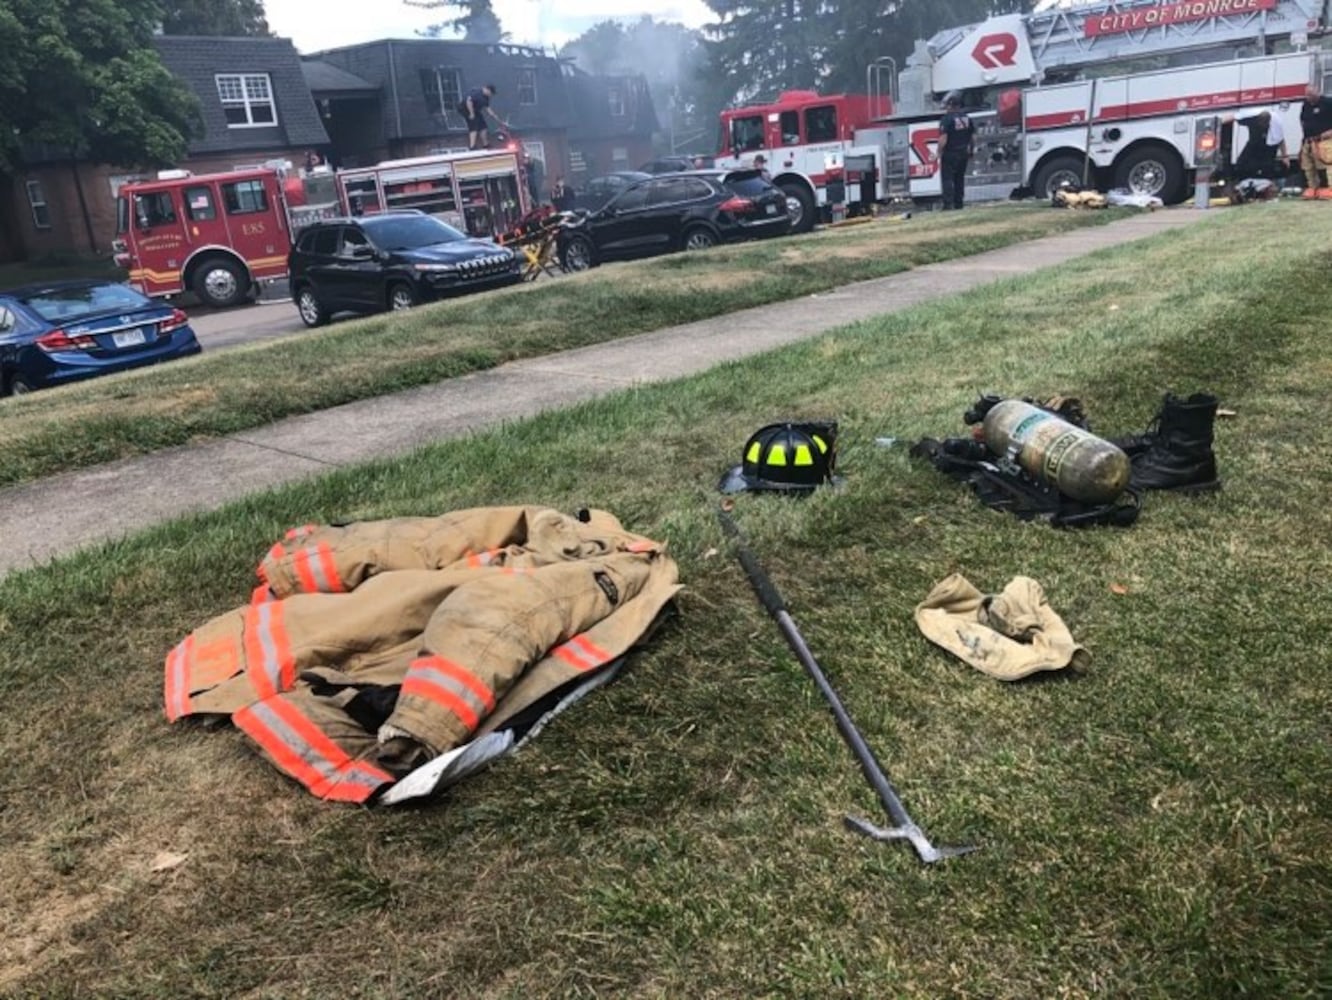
130, 338
772, 209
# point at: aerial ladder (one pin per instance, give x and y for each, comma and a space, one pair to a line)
1111, 93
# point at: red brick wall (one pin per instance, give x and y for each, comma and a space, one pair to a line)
598, 156
68, 231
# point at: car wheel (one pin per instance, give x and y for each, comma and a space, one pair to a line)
699, 238
401, 296
799, 206
311, 309
12, 385
578, 254
221, 283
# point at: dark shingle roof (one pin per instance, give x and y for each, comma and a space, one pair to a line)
326, 79
196, 62
401, 69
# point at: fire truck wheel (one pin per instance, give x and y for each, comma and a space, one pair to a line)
1153, 170
1055, 173
311, 309
799, 206
220, 283
401, 296
699, 238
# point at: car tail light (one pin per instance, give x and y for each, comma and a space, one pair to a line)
59, 340
174, 322
736, 206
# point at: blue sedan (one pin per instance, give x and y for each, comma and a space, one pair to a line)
70, 330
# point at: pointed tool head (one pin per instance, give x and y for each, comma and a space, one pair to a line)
928, 853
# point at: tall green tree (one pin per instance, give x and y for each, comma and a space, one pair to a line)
214, 17
475, 20
758, 48
81, 78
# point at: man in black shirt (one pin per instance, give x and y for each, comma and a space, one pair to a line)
1316, 121
474, 109
1260, 155
956, 136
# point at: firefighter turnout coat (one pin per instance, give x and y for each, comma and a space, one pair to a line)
370, 648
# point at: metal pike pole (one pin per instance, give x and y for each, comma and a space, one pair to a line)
904, 827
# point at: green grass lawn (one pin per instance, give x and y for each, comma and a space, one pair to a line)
1158, 825
213, 395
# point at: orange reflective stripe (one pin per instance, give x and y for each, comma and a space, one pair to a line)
317, 571
642, 547
261, 595
277, 551
271, 667
304, 751
300, 532
300, 562
475, 560
452, 687
582, 653
176, 685
329, 568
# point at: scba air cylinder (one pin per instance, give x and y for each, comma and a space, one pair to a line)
1050, 449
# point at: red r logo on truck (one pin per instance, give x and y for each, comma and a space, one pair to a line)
993, 51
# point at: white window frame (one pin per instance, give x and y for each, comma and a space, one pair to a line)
527, 78
535, 150
615, 97
41, 208
242, 82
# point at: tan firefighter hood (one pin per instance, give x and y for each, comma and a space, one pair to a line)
371, 649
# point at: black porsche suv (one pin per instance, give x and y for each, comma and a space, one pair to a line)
390, 261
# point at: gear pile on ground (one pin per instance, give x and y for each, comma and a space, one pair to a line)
372, 648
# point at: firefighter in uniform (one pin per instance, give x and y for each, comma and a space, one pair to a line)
1316, 122
956, 138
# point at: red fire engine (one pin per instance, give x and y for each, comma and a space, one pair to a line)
222, 235
804, 137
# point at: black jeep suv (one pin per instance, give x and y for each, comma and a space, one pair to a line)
390, 261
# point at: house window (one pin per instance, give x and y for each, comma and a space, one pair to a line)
443, 89
616, 97
620, 157
247, 99
245, 197
527, 87
41, 212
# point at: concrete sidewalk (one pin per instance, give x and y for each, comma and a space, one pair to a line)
61, 514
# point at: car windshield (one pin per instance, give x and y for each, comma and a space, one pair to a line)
410, 232
61, 305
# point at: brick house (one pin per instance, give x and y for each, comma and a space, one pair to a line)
256, 107
356, 105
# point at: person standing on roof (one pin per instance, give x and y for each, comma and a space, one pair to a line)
474, 108
956, 140
1316, 122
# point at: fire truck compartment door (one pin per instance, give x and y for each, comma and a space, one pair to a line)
492, 166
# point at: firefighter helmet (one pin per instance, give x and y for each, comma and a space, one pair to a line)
787, 457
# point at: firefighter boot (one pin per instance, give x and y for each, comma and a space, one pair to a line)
1178, 449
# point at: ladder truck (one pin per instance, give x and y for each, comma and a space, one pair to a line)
1121, 94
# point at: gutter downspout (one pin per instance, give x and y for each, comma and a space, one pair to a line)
397, 107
